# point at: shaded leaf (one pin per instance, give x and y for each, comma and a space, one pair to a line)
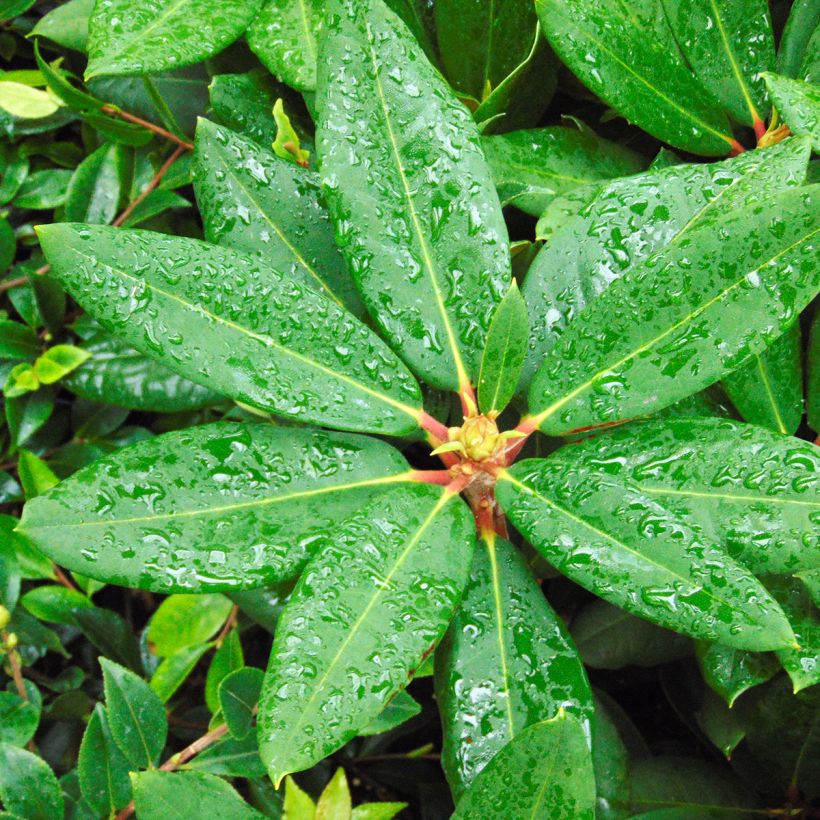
238, 698
28, 787
102, 768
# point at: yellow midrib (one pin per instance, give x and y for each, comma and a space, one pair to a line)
739, 497
764, 377
264, 339
461, 373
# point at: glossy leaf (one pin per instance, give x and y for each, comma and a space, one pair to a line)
758, 492
545, 772
185, 620
136, 715
728, 45
96, 188
284, 36
768, 390
334, 802
194, 308
174, 670
757, 268
230, 758
400, 709
416, 214
66, 24
120, 375
798, 103
143, 36
170, 795
813, 375
620, 543
255, 202
18, 719
406, 559
17, 341
504, 353
531, 168
631, 219
277, 491
102, 768
626, 59
803, 21
238, 697
28, 787
228, 658
506, 663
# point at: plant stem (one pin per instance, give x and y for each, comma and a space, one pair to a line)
230, 623
441, 477
63, 578
17, 674
160, 132
434, 427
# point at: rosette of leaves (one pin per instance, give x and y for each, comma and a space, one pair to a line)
334, 303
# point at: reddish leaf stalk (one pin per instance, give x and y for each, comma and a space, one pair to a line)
149, 126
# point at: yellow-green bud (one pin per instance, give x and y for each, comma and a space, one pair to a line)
5, 617
11, 641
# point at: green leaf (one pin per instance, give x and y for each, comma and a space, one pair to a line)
620, 543
504, 353
759, 270
102, 768
230, 758
406, 558
17, 341
284, 36
119, 375
609, 638
57, 604
756, 491
96, 189
287, 144
505, 663
334, 802
170, 513
171, 795
26, 102
228, 658
728, 45
798, 103
481, 44
631, 63
301, 357
111, 634
21, 380
416, 214
35, 475
803, 21
28, 787
18, 719
44, 190
66, 24
255, 202
238, 697
768, 390
545, 772
143, 36
610, 760
27, 414
377, 811
532, 168
298, 804
185, 620
631, 219
59, 361
813, 375
400, 709
136, 715
175, 669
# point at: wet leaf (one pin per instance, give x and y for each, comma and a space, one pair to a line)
143, 36
96, 188
184, 502
728, 45
545, 772
627, 56
804, 18
28, 787
400, 709
102, 768
194, 308
406, 559
813, 375
631, 219
620, 543
258, 203
506, 663
633, 352
731, 672
504, 353
416, 213
798, 103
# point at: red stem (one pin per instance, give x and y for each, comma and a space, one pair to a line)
434, 427
441, 477
760, 128
160, 132
152, 185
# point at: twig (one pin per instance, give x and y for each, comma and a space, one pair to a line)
151, 186
161, 132
230, 623
17, 674
63, 578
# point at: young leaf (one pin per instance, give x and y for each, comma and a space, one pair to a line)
175, 669
136, 715
633, 65
406, 559
238, 697
768, 390
633, 353
621, 544
400, 709
546, 771
728, 45
504, 353
28, 787
255, 202
185, 620
531, 168
145, 36
177, 795
708, 471
59, 361
298, 803
102, 768
334, 802
798, 103
195, 308
191, 498
631, 219
505, 663
284, 36
119, 375
416, 213
228, 658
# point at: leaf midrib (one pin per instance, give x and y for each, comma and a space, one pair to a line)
768, 499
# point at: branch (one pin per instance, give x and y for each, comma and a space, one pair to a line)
113, 111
